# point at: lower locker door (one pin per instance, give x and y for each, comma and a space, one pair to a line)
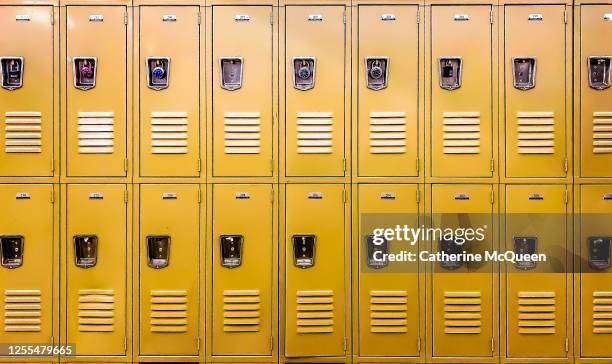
243, 247
315, 268
26, 285
96, 250
169, 269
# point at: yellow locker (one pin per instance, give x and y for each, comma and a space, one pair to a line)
169, 62
315, 81
315, 261
169, 269
242, 91
96, 269
388, 90
389, 292
595, 110
462, 292
595, 281
27, 252
461, 91
96, 91
535, 58
27, 56
536, 291
243, 250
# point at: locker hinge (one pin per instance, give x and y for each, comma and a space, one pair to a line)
125, 196
271, 343
271, 18
565, 165
418, 165
198, 344
566, 344
565, 197
419, 21
419, 344
125, 344
344, 21
52, 19
492, 165
343, 196
125, 18
491, 16
272, 166
344, 344
492, 197
52, 340
199, 22
52, 165
199, 202
492, 344
272, 195
565, 21
199, 165
418, 195
343, 164
52, 195
125, 165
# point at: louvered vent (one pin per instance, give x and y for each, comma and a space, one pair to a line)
536, 312
241, 310
315, 312
242, 132
23, 132
602, 312
168, 311
462, 312
536, 132
169, 132
314, 132
388, 311
22, 310
97, 310
461, 132
387, 132
96, 132
602, 132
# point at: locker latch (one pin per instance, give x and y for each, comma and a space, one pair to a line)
304, 250
599, 252
231, 73
377, 252
377, 72
524, 72
525, 245
12, 72
86, 250
158, 251
304, 73
599, 72
158, 73
452, 248
84, 70
231, 250
11, 247
450, 72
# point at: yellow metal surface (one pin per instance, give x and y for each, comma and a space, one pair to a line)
169, 295
242, 296
27, 142
170, 117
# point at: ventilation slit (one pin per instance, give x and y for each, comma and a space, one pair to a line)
602, 312
536, 132
314, 132
536, 313
315, 312
96, 310
242, 132
169, 311
388, 311
241, 310
387, 132
22, 310
96, 132
461, 132
169, 132
462, 312
602, 132
22, 132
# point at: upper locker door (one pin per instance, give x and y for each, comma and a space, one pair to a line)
242, 84
461, 91
315, 41
169, 269
243, 251
26, 270
463, 300
595, 273
315, 301
388, 294
595, 93
96, 87
388, 90
27, 58
535, 81
169, 63
96, 249
536, 292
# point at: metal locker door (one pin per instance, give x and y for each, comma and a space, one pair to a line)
27, 57
169, 91
536, 292
26, 269
242, 91
463, 300
461, 91
595, 279
315, 269
96, 247
96, 89
389, 295
388, 91
243, 248
535, 90
169, 269
315, 41
595, 93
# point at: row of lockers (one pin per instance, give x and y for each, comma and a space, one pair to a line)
443, 91
265, 272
